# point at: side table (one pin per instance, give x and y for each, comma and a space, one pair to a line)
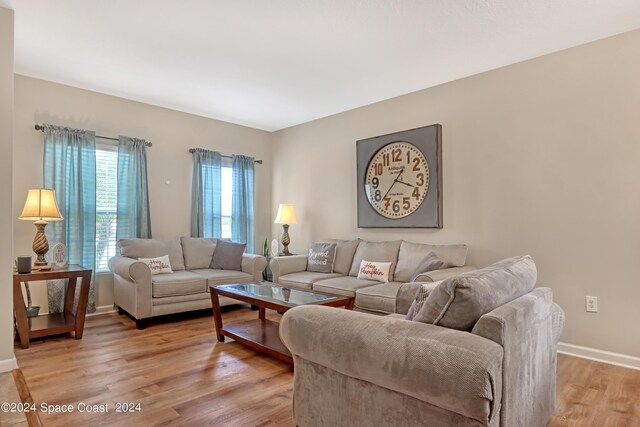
56, 323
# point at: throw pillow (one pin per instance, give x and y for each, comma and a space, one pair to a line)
421, 296
429, 263
321, 257
160, 265
458, 302
228, 255
378, 271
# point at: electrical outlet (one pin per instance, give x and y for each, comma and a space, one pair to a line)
592, 304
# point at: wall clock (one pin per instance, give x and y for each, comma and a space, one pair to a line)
400, 179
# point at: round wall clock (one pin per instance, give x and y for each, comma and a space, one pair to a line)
397, 180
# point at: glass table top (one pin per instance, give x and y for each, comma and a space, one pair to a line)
288, 296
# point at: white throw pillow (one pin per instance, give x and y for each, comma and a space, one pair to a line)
378, 271
158, 265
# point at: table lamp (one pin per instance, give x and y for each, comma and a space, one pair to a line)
286, 216
41, 206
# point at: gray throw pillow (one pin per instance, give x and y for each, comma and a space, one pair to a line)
321, 257
429, 263
228, 255
421, 296
458, 302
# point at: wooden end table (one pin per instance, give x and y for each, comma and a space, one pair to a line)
263, 334
55, 323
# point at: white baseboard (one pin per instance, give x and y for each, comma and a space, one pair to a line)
599, 355
8, 364
102, 310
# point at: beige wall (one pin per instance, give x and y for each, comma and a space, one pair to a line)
541, 157
172, 134
6, 213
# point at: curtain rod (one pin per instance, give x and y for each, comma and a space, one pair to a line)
147, 143
191, 150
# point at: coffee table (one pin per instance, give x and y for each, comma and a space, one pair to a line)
263, 334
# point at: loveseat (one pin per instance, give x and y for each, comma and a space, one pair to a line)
372, 296
483, 354
143, 295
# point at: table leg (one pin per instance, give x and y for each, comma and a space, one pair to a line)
81, 312
261, 313
21, 313
217, 315
350, 304
71, 295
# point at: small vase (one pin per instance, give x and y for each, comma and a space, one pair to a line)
33, 311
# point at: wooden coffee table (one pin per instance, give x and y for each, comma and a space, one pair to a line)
263, 334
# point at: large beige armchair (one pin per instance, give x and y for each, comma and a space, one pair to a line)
356, 369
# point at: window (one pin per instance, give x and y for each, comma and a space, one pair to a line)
226, 182
106, 204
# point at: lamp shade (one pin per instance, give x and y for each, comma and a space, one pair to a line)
286, 214
41, 205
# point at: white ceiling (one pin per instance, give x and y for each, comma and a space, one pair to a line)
271, 64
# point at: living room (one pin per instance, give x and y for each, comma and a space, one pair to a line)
538, 158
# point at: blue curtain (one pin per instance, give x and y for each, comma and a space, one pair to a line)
206, 199
70, 169
133, 218
242, 228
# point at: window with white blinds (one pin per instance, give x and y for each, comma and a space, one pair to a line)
106, 204
226, 196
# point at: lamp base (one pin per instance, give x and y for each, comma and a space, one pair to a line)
285, 241
40, 244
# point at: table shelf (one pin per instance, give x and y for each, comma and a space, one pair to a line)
51, 324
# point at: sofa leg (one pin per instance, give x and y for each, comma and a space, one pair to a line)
141, 324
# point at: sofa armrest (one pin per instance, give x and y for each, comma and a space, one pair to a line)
282, 265
254, 264
132, 287
451, 369
444, 273
130, 269
529, 368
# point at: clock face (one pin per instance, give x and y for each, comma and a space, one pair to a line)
397, 180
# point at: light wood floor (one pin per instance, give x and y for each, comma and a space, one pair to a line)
180, 375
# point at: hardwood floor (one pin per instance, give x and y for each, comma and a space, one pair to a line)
180, 375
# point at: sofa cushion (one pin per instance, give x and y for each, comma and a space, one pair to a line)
378, 298
153, 248
458, 302
178, 283
345, 285
198, 251
304, 279
345, 249
321, 257
411, 255
376, 251
429, 263
228, 256
223, 277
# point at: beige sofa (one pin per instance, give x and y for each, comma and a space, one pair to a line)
372, 296
487, 357
143, 295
